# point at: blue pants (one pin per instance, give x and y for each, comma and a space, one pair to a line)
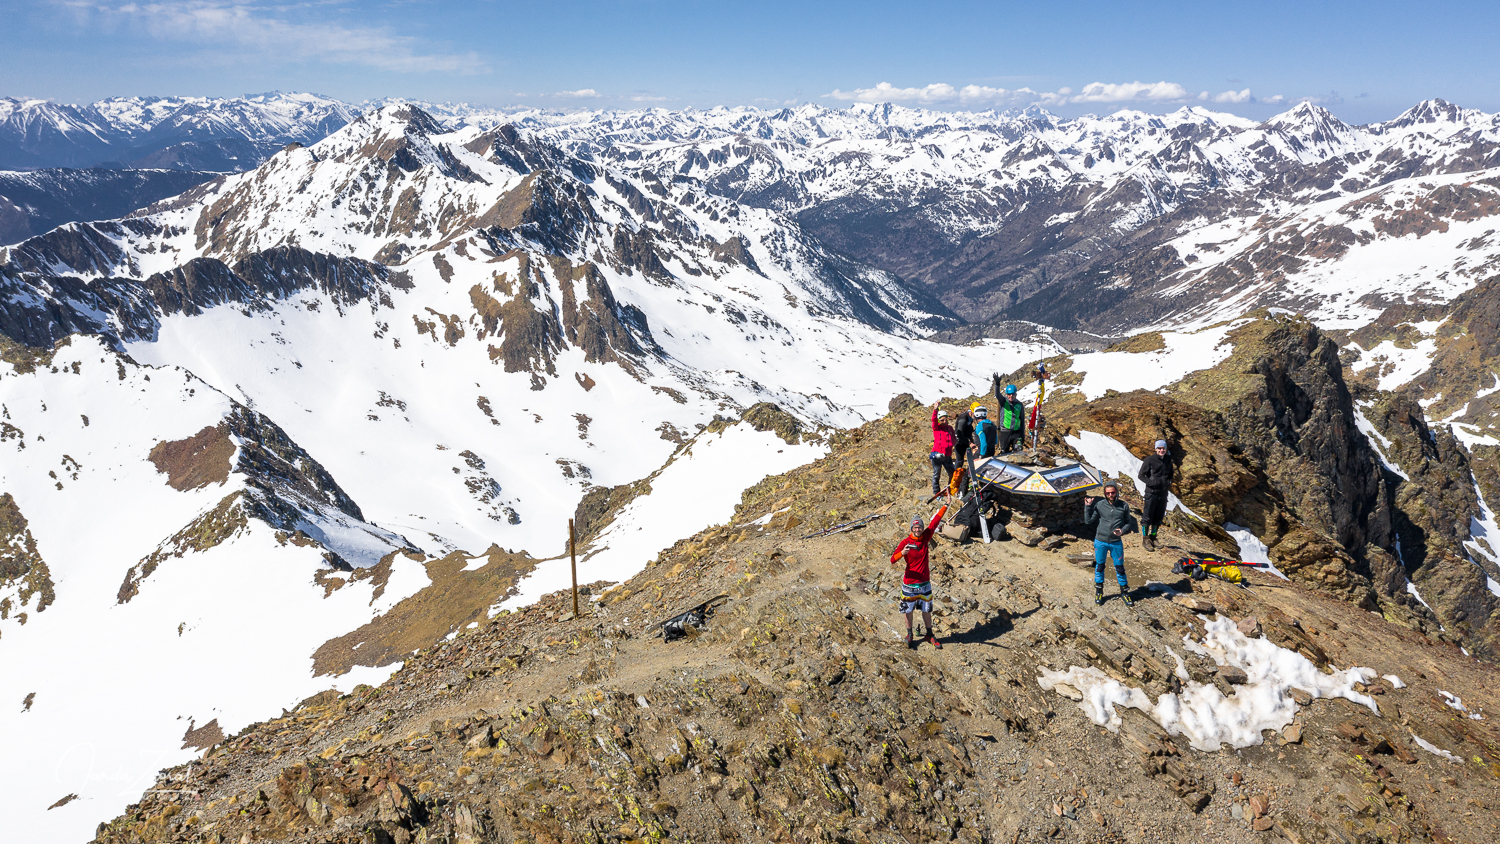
1102, 549
940, 462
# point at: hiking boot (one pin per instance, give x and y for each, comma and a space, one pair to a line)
1148, 542
1098, 599
934, 640
1129, 601
911, 643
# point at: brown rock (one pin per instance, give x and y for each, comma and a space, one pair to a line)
1196, 800
1292, 734
1234, 675
1030, 537
1261, 824
1197, 605
1260, 804
1301, 697
1250, 626
1349, 731
1400, 752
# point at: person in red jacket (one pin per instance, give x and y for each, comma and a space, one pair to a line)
942, 449
916, 582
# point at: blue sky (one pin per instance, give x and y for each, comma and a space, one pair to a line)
1366, 61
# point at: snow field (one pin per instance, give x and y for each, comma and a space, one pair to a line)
1201, 713
698, 489
226, 634
1185, 353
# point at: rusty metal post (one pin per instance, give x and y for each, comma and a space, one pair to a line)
573, 560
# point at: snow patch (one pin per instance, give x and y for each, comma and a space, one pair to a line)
1434, 749
1201, 713
1396, 365
1252, 550
1185, 353
1456, 702
697, 490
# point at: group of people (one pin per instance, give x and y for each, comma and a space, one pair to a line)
974, 435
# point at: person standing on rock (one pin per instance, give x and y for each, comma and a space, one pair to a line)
1114, 519
1156, 475
1012, 416
916, 581
942, 449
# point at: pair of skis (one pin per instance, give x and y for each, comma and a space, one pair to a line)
846, 526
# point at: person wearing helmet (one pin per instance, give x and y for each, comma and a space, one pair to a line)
942, 448
1012, 416
963, 439
986, 435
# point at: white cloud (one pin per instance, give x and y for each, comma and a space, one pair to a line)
646, 98
1276, 100
941, 93
1103, 92
262, 28
580, 94
1234, 97
1332, 98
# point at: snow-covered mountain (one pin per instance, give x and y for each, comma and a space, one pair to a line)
1024, 215
1090, 223
382, 370
40, 133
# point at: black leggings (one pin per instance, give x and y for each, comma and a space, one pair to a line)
1154, 511
1010, 439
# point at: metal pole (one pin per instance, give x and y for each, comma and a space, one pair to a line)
573, 560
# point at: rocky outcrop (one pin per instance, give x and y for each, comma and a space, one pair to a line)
1266, 440
37, 308
22, 568
1433, 504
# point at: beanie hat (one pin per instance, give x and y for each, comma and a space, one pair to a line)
1161, 444
916, 525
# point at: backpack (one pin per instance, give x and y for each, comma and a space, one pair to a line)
989, 437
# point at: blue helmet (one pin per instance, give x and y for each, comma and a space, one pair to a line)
1010, 389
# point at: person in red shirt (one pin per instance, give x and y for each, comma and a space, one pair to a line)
942, 448
916, 582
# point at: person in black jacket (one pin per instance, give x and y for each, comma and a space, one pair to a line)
963, 438
1156, 475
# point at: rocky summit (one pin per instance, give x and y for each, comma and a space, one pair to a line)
1276, 710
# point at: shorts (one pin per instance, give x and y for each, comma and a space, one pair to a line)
916, 596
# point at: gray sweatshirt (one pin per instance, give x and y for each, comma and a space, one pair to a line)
1109, 516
